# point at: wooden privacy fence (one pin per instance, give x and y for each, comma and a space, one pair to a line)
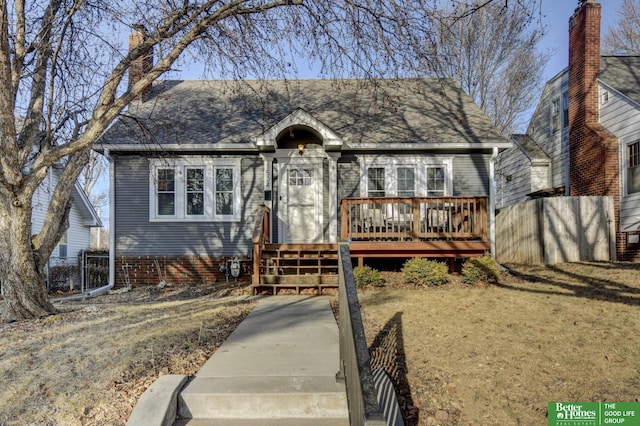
556, 230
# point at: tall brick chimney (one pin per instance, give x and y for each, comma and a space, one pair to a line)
144, 63
591, 170
594, 167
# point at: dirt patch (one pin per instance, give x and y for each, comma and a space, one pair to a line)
89, 364
496, 355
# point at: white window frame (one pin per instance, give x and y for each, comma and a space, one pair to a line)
63, 246
391, 165
180, 166
627, 166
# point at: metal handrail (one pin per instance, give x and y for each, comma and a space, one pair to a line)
355, 362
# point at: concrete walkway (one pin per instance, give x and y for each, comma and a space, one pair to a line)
278, 367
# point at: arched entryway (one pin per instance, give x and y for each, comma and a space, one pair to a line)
301, 179
301, 195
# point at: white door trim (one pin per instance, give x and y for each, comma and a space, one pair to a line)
283, 166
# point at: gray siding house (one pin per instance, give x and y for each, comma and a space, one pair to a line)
192, 162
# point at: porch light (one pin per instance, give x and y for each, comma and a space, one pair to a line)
300, 149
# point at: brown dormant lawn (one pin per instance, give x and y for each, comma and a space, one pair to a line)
90, 364
484, 355
496, 355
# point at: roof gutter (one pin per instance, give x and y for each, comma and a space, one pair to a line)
112, 234
252, 148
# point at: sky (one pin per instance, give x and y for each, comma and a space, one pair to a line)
555, 18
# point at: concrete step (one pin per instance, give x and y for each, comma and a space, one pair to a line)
267, 397
263, 422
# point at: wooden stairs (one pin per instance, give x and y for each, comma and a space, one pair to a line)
297, 267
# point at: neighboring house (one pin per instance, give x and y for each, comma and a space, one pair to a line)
82, 217
193, 160
584, 136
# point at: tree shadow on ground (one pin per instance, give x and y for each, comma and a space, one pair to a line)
387, 353
581, 285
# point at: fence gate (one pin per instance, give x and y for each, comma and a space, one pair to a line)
94, 272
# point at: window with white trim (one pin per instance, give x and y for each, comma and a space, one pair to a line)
633, 167
406, 177
166, 192
565, 109
406, 186
375, 182
555, 115
63, 246
436, 181
194, 189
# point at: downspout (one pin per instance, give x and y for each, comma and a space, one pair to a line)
112, 234
492, 201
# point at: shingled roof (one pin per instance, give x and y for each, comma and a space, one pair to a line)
622, 73
364, 114
530, 147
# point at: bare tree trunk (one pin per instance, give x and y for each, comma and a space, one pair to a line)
21, 273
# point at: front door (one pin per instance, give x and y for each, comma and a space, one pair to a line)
301, 203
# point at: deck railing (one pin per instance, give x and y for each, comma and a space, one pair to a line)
414, 218
261, 236
355, 363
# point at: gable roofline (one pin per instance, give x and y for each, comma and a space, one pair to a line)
622, 73
619, 93
530, 149
87, 210
81, 200
299, 117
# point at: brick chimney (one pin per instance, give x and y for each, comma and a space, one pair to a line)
139, 67
589, 163
594, 167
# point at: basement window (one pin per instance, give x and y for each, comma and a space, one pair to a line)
633, 239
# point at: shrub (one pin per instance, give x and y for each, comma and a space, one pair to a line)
480, 269
367, 277
422, 272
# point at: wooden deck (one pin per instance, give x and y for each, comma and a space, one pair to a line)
376, 228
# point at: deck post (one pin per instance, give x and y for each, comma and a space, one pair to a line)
344, 220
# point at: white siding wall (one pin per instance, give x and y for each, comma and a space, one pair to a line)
554, 144
513, 179
78, 234
622, 117
539, 177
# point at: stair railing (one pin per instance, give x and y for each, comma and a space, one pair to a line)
355, 362
261, 236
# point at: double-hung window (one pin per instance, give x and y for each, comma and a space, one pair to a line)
565, 109
224, 184
436, 181
406, 177
376, 182
166, 192
633, 167
194, 189
63, 246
